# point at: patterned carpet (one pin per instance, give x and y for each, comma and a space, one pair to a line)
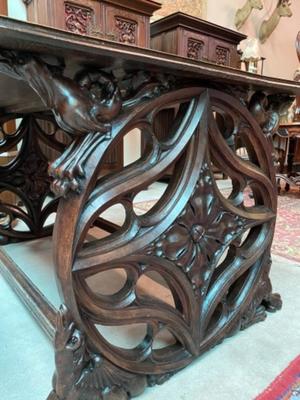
286, 386
287, 235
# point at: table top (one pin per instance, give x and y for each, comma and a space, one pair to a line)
79, 52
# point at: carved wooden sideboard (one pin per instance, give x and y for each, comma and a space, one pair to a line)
196, 39
126, 21
210, 249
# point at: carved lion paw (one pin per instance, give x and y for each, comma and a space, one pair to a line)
67, 176
68, 170
273, 303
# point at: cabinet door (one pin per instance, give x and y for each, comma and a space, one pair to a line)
222, 53
193, 45
127, 27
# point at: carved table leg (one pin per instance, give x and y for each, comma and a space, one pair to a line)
211, 249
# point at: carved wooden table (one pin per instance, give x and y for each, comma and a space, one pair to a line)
212, 251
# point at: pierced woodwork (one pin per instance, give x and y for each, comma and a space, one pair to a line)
26, 176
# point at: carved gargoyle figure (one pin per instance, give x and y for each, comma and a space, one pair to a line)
83, 107
268, 26
81, 374
243, 13
267, 118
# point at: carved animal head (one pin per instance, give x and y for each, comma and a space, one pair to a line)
283, 8
257, 4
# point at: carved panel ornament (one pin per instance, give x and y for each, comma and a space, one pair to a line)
127, 30
78, 19
194, 49
222, 55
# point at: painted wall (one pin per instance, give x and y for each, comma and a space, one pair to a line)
279, 49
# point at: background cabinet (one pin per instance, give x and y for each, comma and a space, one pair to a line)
196, 39
125, 21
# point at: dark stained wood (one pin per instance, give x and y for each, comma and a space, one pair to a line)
26, 177
184, 236
124, 21
194, 38
78, 51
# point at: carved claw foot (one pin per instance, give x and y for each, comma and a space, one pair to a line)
273, 302
81, 374
68, 170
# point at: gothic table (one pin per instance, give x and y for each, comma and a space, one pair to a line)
211, 250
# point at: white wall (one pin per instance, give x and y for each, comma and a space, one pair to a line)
17, 9
279, 50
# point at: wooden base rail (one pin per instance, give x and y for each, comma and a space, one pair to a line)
211, 249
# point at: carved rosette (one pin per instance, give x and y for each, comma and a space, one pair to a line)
194, 49
78, 19
222, 55
127, 30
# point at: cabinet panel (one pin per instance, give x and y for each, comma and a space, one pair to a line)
127, 27
222, 53
194, 45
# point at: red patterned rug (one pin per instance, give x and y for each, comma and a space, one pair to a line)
286, 386
287, 235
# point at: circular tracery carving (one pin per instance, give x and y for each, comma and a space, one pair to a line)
182, 238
